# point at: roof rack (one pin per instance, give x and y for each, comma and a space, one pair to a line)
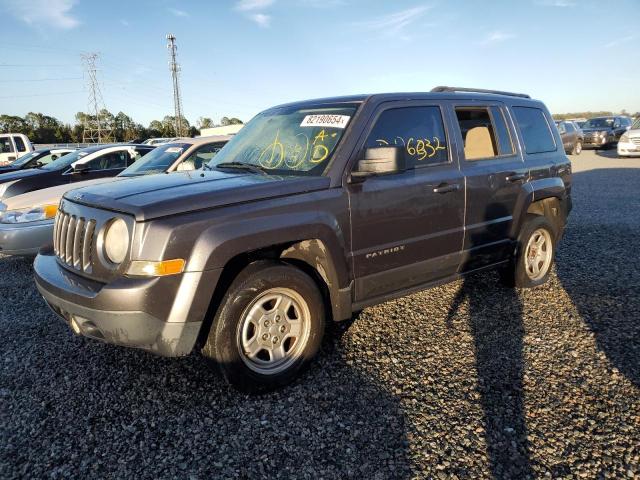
478, 90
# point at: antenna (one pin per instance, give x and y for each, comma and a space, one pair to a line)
174, 68
95, 129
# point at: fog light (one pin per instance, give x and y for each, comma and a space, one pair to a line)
74, 326
143, 268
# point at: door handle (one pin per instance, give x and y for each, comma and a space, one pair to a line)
516, 177
446, 188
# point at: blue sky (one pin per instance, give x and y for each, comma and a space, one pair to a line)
239, 57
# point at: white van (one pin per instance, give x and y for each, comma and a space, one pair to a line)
13, 146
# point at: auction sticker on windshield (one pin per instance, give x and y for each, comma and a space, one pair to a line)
327, 121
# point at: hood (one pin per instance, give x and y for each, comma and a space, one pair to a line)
596, 129
634, 133
8, 168
155, 196
17, 175
47, 196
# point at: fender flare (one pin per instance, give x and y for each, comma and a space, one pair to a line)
532, 192
313, 238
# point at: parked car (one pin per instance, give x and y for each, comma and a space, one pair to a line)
13, 146
578, 121
604, 132
158, 141
571, 136
313, 211
37, 158
629, 143
26, 221
84, 164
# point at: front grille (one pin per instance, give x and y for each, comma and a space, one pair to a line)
636, 140
72, 240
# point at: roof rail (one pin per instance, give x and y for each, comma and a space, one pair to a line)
478, 90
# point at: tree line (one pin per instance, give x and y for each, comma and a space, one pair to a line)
564, 116
42, 128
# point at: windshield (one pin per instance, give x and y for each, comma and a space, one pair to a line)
65, 160
599, 123
23, 160
636, 124
288, 141
156, 161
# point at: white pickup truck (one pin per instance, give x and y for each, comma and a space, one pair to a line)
13, 146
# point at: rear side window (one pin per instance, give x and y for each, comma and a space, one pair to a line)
535, 129
420, 130
19, 144
484, 132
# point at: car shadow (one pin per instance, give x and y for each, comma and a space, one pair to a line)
498, 337
90, 409
607, 153
603, 280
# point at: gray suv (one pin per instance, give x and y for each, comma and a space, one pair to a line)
314, 211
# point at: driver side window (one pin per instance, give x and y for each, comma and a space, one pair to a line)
419, 130
109, 161
197, 159
46, 159
6, 145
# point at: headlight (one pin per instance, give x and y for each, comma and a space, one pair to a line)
625, 138
26, 215
4, 186
116, 241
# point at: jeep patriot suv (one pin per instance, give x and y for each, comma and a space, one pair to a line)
314, 211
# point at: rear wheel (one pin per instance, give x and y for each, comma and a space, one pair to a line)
269, 326
577, 148
534, 256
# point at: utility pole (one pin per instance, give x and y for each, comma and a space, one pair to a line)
175, 69
95, 130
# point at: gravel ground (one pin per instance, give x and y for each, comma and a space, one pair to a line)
468, 380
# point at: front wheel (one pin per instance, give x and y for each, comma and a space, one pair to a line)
577, 148
534, 256
268, 327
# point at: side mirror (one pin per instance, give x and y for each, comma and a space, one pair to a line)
81, 168
379, 161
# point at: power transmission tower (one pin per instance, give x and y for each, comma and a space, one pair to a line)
95, 128
175, 70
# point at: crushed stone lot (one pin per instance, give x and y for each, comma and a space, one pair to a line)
468, 380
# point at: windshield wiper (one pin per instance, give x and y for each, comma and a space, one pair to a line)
244, 166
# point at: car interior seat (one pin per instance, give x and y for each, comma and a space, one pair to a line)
478, 143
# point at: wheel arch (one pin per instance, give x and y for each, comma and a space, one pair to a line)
546, 197
311, 255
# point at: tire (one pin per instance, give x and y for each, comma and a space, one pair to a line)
525, 271
577, 148
252, 339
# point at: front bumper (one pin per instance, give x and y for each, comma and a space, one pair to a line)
25, 238
595, 142
628, 149
160, 315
